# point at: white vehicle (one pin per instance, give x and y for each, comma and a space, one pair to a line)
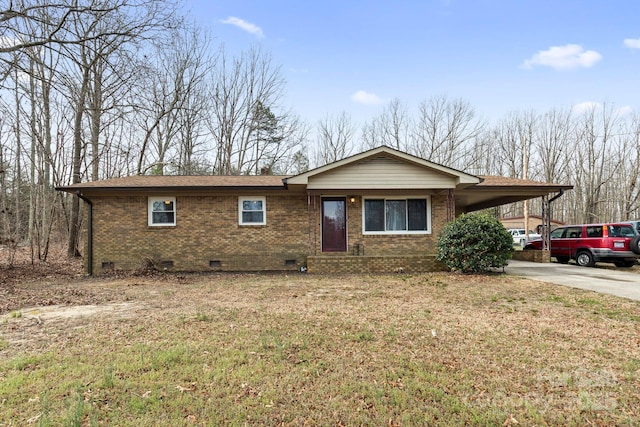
520, 236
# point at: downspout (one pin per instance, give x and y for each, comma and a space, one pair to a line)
556, 196
547, 226
89, 232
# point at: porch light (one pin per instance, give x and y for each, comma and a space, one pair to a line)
352, 200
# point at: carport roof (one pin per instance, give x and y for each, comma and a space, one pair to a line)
499, 190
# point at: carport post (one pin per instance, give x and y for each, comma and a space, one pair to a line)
546, 223
546, 219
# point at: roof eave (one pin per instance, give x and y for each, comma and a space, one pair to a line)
74, 189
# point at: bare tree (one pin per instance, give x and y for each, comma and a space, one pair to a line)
628, 182
17, 19
244, 92
173, 115
554, 135
483, 160
390, 128
508, 144
102, 32
514, 138
445, 130
276, 139
29, 105
335, 135
299, 161
596, 141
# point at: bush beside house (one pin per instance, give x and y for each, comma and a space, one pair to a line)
474, 243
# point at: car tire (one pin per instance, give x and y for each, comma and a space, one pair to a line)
585, 259
635, 245
563, 259
625, 264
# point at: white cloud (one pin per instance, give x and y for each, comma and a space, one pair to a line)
632, 43
564, 58
244, 25
625, 110
583, 107
366, 98
587, 106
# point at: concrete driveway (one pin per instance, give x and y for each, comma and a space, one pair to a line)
607, 281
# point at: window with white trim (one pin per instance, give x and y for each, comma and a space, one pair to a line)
162, 211
252, 211
397, 215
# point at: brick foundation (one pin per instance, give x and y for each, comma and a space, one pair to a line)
374, 264
534, 256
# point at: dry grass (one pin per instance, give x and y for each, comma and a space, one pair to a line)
435, 349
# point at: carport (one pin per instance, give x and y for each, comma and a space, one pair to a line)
498, 190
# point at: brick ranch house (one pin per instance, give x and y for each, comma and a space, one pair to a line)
377, 211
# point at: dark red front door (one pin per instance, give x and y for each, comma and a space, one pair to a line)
334, 224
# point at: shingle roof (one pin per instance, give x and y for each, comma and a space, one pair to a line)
249, 181
173, 181
503, 181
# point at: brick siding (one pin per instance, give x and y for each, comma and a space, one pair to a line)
207, 237
392, 244
411, 253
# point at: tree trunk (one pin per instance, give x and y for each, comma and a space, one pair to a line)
74, 224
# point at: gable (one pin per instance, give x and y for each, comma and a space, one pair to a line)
382, 168
381, 172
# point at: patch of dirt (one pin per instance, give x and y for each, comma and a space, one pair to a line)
27, 283
60, 281
57, 313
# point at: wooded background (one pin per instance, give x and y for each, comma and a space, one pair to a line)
96, 89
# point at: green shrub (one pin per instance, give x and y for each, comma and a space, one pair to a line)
473, 243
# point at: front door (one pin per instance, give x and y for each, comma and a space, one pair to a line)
334, 224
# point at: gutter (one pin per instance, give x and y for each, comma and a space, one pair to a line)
89, 232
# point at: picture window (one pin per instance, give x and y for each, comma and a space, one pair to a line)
397, 215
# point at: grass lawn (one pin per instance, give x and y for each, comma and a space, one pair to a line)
436, 349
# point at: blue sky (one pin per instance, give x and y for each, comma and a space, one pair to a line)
499, 55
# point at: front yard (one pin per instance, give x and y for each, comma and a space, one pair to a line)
275, 349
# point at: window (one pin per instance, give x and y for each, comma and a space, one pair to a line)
557, 233
573, 233
397, 216
252, 211
595, 231
621, 231
162, 211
